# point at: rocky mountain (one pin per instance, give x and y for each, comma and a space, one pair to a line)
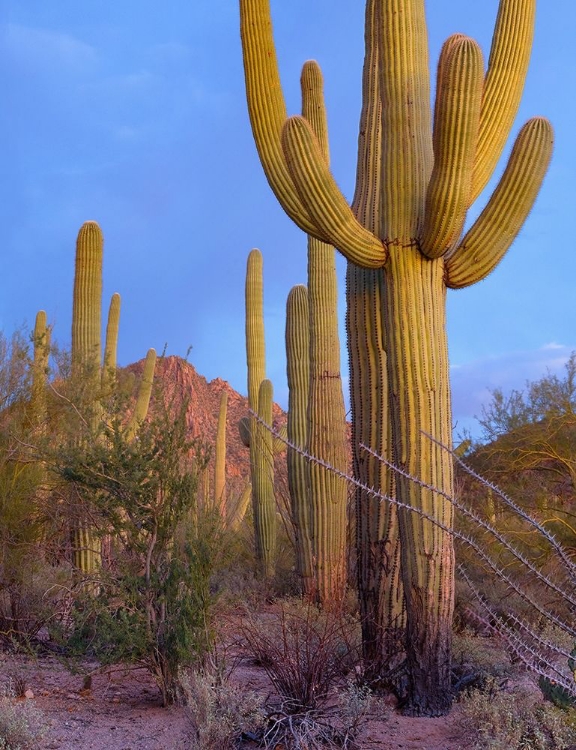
180, 380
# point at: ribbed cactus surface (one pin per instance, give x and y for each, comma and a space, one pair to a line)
298, 374
416, 178
220, 457
261, 444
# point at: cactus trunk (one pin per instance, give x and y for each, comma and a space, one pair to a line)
420, 407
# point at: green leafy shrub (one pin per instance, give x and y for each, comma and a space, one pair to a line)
150, 602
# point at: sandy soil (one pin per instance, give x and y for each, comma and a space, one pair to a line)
122, 711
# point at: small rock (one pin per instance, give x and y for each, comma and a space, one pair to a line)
28, 693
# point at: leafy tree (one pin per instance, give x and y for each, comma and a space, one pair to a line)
151, 602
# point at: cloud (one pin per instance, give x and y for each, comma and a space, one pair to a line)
473, 382
37, 47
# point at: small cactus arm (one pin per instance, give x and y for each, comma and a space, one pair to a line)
111, 345
415, 187
144, 394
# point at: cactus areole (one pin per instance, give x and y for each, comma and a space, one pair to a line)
417, 176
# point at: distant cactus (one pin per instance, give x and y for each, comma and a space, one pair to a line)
94, 378
261, 463
220, 457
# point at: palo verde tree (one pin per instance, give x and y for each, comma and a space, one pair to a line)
416, 178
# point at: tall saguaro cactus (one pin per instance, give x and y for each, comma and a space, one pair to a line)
298, 375
96, 379
260, 465
326, 412
414, 185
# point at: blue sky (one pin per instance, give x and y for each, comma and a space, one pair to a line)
134, 116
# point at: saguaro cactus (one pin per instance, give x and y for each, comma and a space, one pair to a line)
298, 372
326, 412
260, 466
263, 486
41, 340
414, 186
220, 458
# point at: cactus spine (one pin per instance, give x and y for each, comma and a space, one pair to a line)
220, 458
416, 185
298, 372
261, 466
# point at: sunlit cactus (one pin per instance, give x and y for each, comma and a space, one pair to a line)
415, 182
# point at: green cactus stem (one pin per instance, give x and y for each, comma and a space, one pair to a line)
298, 373
261, 466
326, 413
264, 503
87, 301
144, 394
220, 458
41, 342
413, 188
111, 345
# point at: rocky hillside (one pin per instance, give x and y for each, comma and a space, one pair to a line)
180, 381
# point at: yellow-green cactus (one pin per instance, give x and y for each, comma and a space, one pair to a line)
298, 375
264, 503
220, 457
41, 341
326, 411
412, 190
111, 345
261, 446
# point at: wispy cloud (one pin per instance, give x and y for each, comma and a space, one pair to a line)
41, 47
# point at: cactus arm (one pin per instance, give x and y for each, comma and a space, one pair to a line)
220, 458
507, 68
324, 200
313, 107
237, 515
266, 105
459, 89
407, 156
144, 394
485, 244
111, 345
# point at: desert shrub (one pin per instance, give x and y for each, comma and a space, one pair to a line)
150, 603
304, 650
516, 720
220, 711
21, 725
